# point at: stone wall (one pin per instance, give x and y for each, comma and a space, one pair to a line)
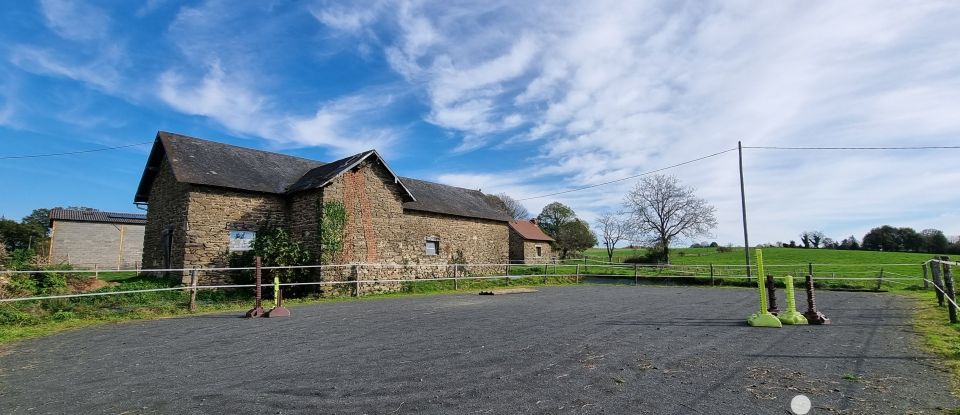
212, 213
167, 210
525, 250
96, 245
378, 229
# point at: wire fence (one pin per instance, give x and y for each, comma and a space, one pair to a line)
179, 290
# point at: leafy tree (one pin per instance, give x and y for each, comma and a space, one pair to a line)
553, 216
613, 228
20, 236
815, 238
574, 236
849, 243
513, 206
883, 238
934, 241
661, 208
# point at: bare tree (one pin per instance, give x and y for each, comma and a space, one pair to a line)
613, 227
805, 238
661, 208
514, 207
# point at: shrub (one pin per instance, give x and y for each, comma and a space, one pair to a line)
21, 259
722, 249
3, 254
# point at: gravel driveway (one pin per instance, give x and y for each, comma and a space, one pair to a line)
578, 349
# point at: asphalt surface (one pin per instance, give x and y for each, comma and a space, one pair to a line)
579, 349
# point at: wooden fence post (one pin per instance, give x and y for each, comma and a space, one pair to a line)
879, 279
578, 273
937, 282
926, 285
948, 286
456, 276
636, 279
96, 270
711, 275
193, 290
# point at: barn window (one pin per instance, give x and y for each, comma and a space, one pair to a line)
539, 251
431, 247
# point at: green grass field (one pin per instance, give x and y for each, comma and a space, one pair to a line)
781, 261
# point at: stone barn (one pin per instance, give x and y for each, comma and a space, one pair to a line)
528, 243
206, 201
94, 239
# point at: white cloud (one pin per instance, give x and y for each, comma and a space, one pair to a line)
75, 20
610, 89
102, 71
231, 103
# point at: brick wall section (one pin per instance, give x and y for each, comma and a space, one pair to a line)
89, 244
168, 208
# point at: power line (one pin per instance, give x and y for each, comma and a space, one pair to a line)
855, 148
631, 177
29, 156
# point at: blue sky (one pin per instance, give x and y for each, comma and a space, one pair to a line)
526, 99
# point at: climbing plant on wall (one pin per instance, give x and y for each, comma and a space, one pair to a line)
331, 221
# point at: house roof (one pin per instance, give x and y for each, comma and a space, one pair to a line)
529, 230
209, 163
97, 216
450, 200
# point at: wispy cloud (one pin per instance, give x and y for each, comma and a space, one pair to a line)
230, 89
609, 89
233, 104
75, 20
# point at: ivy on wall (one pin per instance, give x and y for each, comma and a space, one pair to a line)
331, 221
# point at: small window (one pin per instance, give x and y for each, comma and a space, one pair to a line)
431, 248
539, 251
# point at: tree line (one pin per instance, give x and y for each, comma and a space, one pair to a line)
883, 238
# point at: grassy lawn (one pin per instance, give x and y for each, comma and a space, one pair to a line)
781, 261
940, 338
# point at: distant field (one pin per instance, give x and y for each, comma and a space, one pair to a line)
781, 261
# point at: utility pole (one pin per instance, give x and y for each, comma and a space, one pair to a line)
743, 207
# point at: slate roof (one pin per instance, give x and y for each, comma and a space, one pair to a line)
97, 216
440, 198
323, 175
209, 163
529, 230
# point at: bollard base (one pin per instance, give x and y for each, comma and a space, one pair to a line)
792, 318
816, 317
764, 320
255, 312
279, 311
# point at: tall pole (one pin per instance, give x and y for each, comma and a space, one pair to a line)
743, 207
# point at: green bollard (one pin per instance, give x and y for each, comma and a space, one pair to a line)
278, 309
791, 316
764, 318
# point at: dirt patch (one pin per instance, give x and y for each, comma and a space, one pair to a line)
87, 284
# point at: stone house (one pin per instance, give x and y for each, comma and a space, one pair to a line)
207, 199
94, 239
528, 243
